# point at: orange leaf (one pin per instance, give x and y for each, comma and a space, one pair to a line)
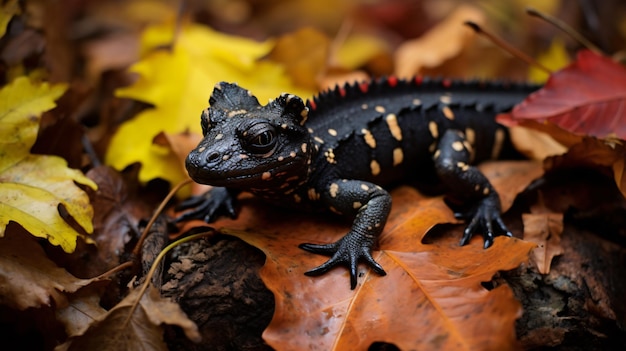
545, 230
435, 289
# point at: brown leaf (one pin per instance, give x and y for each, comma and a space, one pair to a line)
443, 42
125, 327
544, 229
510, 178
597, 153
304, 54
27, 277
434, 289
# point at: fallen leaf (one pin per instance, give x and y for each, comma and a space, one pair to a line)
178, 82
585, 98
125, 327
304, 54
9, 9
544, 229
27, 277
33, 186
435, 288
441, 43
597, 153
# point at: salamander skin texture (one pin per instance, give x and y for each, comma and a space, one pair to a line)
339, 150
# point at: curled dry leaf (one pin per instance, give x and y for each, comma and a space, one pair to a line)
544, 229
434, 289
27, 277
125, 327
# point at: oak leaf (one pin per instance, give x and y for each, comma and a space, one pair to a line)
178, 81
433, 286
128, 326
32, 187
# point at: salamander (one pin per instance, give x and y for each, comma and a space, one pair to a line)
341, 149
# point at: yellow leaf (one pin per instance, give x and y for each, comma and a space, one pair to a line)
178, 83
7, 11
33, 186
554, 59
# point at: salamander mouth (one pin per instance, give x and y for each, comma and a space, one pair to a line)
236, 178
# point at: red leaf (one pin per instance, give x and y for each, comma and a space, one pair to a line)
588, 97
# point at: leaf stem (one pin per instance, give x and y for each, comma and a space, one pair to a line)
507, 47
566, 28
157, 212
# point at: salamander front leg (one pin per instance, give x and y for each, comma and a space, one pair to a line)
370, 206
467, 184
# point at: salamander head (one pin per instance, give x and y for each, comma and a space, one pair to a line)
250, 146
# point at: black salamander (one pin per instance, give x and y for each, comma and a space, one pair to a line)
339, 150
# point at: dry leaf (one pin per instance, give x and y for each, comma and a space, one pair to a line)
33, 186
544, 229
433, 288
27, 277
178, 83
441, 43
127, 328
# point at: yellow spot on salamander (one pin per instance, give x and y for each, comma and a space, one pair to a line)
457, 146
375, 167
485, 191
394, 128
219, 136
313, 195
369, 138
266, 175
470, 135
417, 102
447, 111
303, 147
434, 130
334, 189
445, 99
437, 153
463, 166
356, 204
398, 156
365, 187
318, 139
379, 109
332, 132
297, 198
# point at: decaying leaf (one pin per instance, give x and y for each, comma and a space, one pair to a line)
178, 82
125, 327
7, 11
27, 277
33, 186
544, 229
434, 289
441, 43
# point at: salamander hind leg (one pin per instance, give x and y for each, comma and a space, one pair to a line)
369, 204
480, 202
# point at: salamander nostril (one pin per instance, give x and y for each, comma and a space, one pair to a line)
213, 157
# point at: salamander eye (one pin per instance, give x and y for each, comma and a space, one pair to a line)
260, 139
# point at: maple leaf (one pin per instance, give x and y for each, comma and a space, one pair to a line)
130, 327
586, 98
432, 285
581, 107
178, 82
33, 186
